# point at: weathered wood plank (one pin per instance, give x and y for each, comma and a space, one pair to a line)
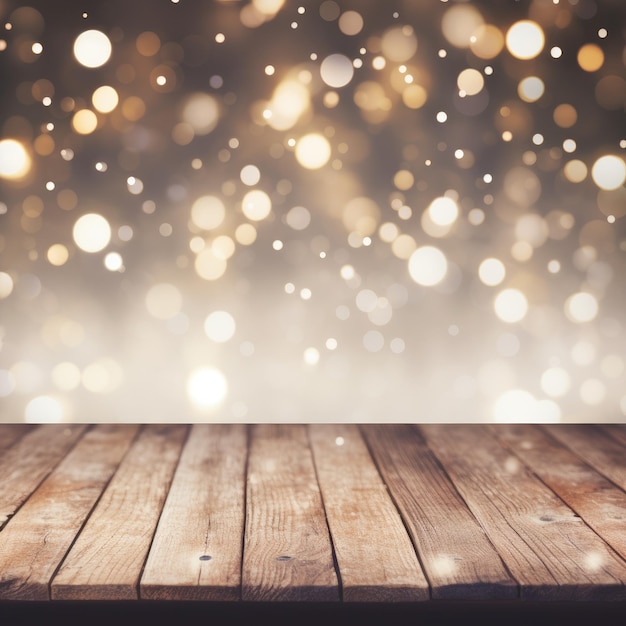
545, 545
375, 556
24, 465
615, 431
456, 555
598, 501
10, 433
603, 452
287, 549
106, 561
197, 549
36, 539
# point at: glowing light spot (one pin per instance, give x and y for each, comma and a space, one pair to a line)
201, 111
470, 81
256, 205
220, 326
250, 175
339, 441
609, 172
42, 410
245, 234
209, 266
298, 218
460, 25
92, 232
491, 272
531, 88
373, 341
399, 43
163, 301
313, 151
575, 171
555, 382
57, 254
581, 307
428, 266
443, 211
207, 388
66, 376
6, 285
511, 305
350, 23
84, 122
590, 57
487, 41
442, 116
311, 356
592, 392
336, 70
105, 99
525, 39
113, 262
208, 212
519, 406
15, 163
92, 48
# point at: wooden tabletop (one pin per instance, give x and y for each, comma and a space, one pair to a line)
328, 513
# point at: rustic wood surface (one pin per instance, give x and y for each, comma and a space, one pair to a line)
458, 558
197, 550
287, 548
388, 513
374, 553
106, 561
549, 549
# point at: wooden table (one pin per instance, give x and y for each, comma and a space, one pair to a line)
325, 513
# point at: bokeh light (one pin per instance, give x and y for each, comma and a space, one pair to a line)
92, 232
207, 388
525, 39
15, 161
92, 48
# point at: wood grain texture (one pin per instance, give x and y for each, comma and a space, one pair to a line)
598, 501
10, 433
456, 554
197, 549
545, 545
36, 539
106, 561
615, 431
603, 452
287, 548
24, 465
375, 556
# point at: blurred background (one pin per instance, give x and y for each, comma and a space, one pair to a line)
273, 210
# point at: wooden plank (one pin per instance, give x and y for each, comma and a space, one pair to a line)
106, 561
24, 465
615, 431
456, 555
598, 501
375, 566
197, 549
287, 549
604, 453
545, 545
10, 433
39, 535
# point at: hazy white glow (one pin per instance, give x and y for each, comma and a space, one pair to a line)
15, 162
311, 356
102, 376
6, 285
428, 266
113, 261
525, 39
609, 172
164, 301
201, 112
520, 406
298, 218
43, 409
592, 391
313, 151
581, 307
92, 232
289, 101
470, 81
209, 265
511, 305
84, 122
207, 388
491, 272
555, 382
530, 89
92, 48
250, 175
256, 205
336, 70
220, 326
66, 376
